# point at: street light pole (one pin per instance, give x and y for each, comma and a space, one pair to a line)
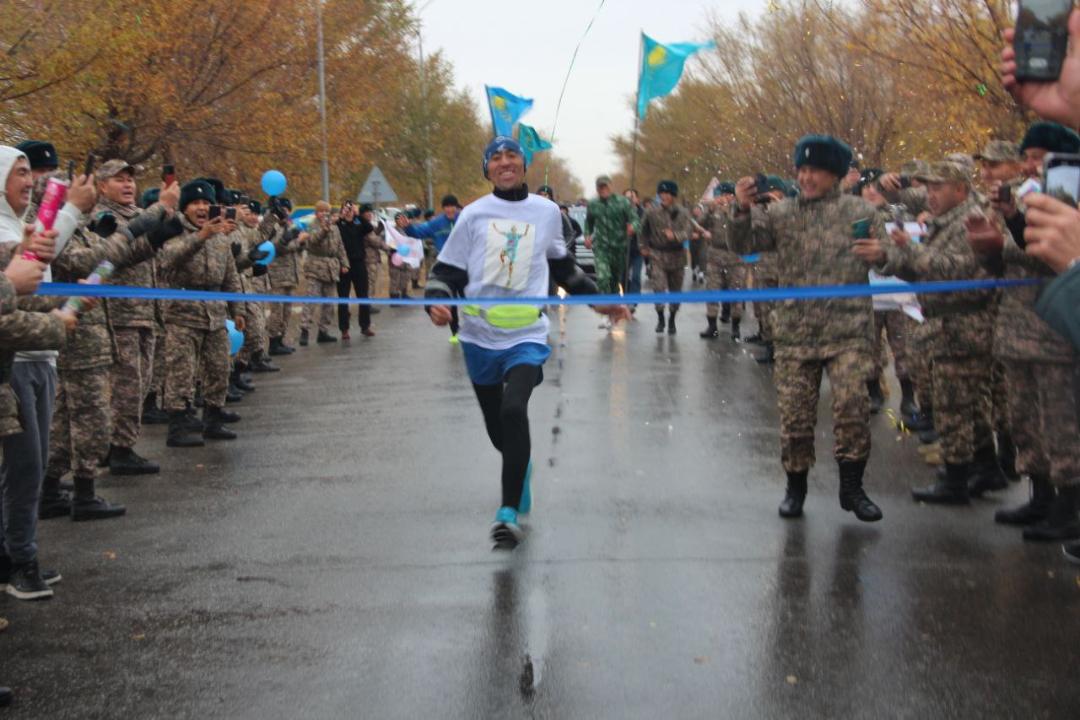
322, 106
427, 129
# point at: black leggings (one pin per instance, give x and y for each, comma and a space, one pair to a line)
506, 415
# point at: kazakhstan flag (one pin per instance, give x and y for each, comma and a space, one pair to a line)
506, 109
661, 68
531, 142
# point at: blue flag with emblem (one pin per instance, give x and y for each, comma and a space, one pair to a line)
506, 109
531, 142
662, 68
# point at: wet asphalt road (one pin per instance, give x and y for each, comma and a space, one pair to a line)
334, 561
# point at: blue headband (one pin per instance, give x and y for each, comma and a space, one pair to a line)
500, 144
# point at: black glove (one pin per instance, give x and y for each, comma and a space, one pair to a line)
237, 248
104, 224
165, 231
259, 270
255, 254
290, 235
144, 224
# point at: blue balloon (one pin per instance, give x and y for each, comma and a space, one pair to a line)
274, 183
267, 247
404, 251
236, 338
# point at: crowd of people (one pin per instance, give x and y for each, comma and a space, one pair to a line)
988, 376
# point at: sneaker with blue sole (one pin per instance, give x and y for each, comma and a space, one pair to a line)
525, 506
505, 531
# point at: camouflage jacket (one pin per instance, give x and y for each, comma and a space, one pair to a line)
325, 255
658, 219
606, 220
192, 264
914, 199
20, 330
285, 270
1019, 333
125, 312
249, 238
90, 344
960, 324
813, 243
718, 223
375, 244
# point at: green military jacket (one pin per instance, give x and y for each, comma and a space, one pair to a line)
189, 263
606, 220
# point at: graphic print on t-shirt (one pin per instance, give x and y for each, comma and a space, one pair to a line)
509, 254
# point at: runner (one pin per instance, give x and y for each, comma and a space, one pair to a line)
507, 244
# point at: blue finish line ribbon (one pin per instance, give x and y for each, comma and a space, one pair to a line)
817, 292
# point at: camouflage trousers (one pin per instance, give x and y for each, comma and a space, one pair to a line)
185, 349
999, 398
962, 406
610, 259
763, 311
157, 381
319, 288
894, 325
722, 276
667, 268
132, 374
280, 314
400, 279
920, 363
1045, 420
255, 335
79, 434
372, 278
798, 387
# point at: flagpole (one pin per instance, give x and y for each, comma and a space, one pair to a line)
637, 115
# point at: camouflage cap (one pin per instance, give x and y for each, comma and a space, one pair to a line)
112, 168
999, 151
963, 160
603, 180
945, 171
913, 168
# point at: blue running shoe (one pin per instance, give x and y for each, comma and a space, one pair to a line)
526, 492
505, 531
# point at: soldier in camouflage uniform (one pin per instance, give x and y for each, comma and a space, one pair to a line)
132, 322
725, 270
200, 259
325, 264
253, 281
284, 271
609, 221
961, 326
374, 246
664, 230
813, 236
399, 272
81, 424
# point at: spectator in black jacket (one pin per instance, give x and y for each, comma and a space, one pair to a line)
352, 235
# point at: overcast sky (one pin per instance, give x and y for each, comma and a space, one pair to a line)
526, 48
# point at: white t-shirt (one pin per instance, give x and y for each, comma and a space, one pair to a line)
505, 246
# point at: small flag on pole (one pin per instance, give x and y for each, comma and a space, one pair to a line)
531, 142
506, 109
662, 68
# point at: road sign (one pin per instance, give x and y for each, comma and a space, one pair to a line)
376, 189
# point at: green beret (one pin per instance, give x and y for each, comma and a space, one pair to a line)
724, 188
668, 186
1052, 137
42, 155
824, 152
196, 190
150, 197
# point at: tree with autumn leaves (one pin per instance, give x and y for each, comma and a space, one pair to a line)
897, 79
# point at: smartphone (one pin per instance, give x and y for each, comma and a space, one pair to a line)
905, 182
860, 229
168, 174
1061, 177
1005, 194
89, 166
1042, 38
71, 171
762, 188
215, 212
230, 213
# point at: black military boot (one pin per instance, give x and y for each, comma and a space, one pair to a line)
877, 397
1006, 456
794, 496
755, 339
227, 416
277, 347
921, 422
125, 461
725, 312
233, 394
6, 697
181, 434
986, 475
671, 329
325, 337
768, 357
710, 332
87, 506
54, 501
661, 325
241, 383
304, 338
151, 413
953, 490
1034, 510
192, 421
852, 496
214, 426
908, 407
1062, 522
260, 363
736, 334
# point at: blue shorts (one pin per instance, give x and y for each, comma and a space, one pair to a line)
489, 367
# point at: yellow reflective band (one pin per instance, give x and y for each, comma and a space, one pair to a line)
508, 317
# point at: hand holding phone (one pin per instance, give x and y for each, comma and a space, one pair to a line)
1061, 177
168, 174
1041, 38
